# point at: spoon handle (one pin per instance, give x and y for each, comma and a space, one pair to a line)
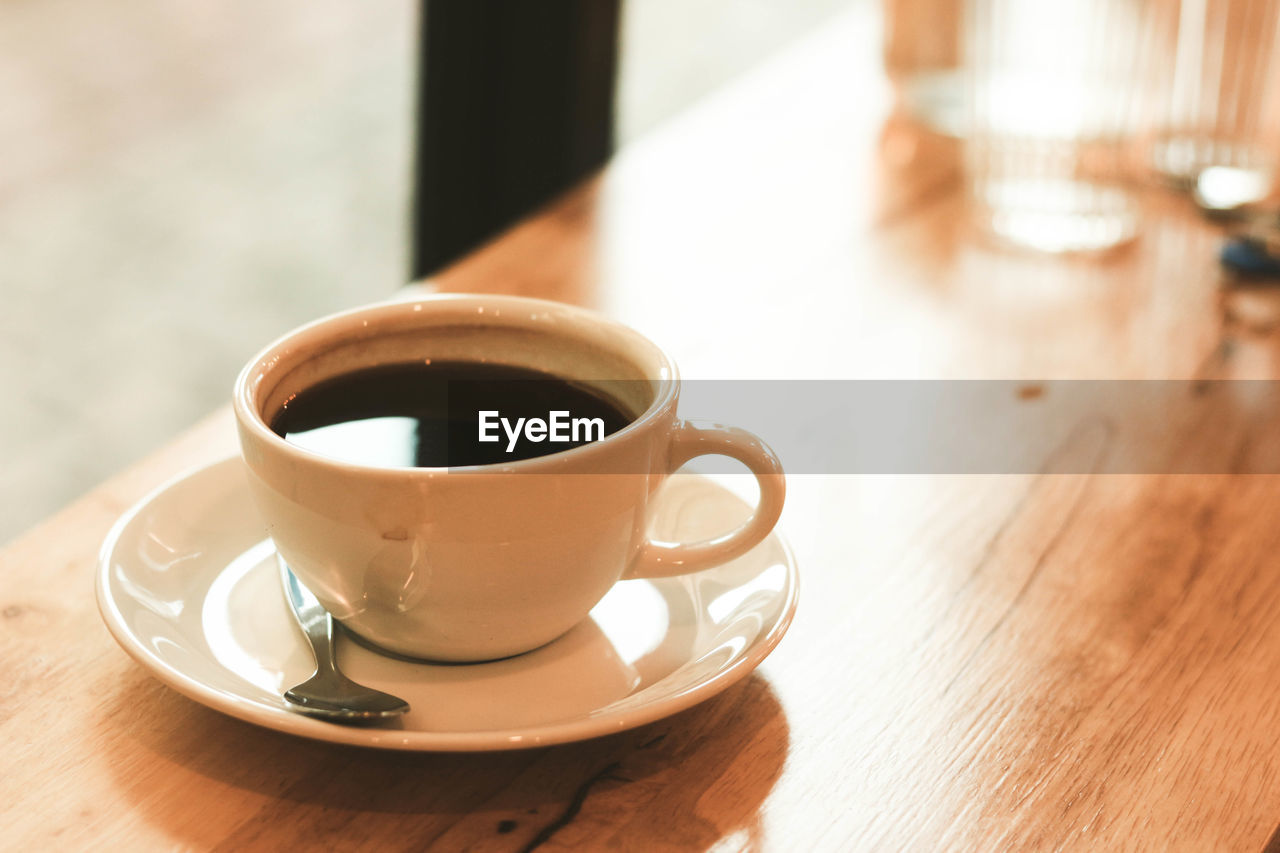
316, 622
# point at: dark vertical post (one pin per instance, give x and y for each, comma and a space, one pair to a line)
515, 104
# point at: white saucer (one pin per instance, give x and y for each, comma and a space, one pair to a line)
187, 584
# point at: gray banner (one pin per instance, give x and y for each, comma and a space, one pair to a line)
1001, 427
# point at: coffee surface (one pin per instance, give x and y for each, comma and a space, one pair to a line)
445, 413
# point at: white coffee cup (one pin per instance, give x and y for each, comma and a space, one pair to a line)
482, 562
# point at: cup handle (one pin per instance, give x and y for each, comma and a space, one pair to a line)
664, 559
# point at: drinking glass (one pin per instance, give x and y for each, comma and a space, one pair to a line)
1222, 104
1053, 94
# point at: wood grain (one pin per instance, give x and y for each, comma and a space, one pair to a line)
1041, 661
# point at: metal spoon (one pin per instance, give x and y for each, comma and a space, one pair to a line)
330, 695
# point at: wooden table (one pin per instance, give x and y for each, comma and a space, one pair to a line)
1000, 662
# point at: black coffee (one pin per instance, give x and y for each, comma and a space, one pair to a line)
445, 413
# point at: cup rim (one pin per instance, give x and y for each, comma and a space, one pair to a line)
251, 419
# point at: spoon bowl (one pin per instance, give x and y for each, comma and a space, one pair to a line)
330, 695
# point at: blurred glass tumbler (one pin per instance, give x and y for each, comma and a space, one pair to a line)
1053, 94
1222, 105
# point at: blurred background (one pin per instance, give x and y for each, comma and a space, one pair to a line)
182, 182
